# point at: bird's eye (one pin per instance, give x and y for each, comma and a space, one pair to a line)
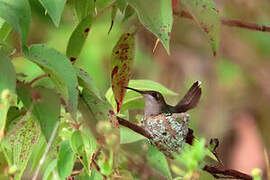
155, 95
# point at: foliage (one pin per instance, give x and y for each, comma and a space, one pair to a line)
89, 144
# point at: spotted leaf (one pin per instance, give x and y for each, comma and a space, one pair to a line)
121, 62
158, 18
206, 15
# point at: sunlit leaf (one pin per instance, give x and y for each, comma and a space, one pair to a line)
128, 136
78, 37
19, 142
132, 96
207, 17
158, 161
17, 13
84, 145
61, 72
121, 62
7, 89
66, 160
49, 169
5, 29
46, 108
158, 18
95, 175
54, 8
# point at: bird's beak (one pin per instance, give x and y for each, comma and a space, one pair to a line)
136, 90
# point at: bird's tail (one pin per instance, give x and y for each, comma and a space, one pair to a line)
190, 100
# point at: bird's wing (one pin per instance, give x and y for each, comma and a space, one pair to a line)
190, 100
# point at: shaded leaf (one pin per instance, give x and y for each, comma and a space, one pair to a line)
128, 13
17, 13
121, 5
158, 161
84, 145
46, 108
54, 8
86, 81
61, 72
121, 62
19, 142
132, 96
66, 160
7, 89
158, 18
78, 37
100, 108
207, 17
128, 136
84, 8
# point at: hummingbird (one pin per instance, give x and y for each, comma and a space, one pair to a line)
167, 124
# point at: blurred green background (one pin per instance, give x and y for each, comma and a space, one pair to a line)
235, 105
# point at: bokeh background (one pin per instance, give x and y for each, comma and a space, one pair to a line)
235, 104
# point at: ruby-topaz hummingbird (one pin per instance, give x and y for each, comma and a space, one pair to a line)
168, 125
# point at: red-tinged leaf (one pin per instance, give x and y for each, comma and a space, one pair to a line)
174, 3
121, 62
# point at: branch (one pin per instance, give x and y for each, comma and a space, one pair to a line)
217, 172
228, 22
134, 127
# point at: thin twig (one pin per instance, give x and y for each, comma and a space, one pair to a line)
217, 172
46, 150
228, 22
38, 78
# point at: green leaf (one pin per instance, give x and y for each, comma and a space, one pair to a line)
66, 160
17, 13
121, 5
78, 37
5, 29
129, 136
7, 89
100, 108
19, 142
158, 161
158, 18
121, 62
132, 97
128, 13
95, 175
46, 108
192, 156
61, 72
207, 17
86, 81
6, 48
48, 171
54, 8
83, 8
84, 145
